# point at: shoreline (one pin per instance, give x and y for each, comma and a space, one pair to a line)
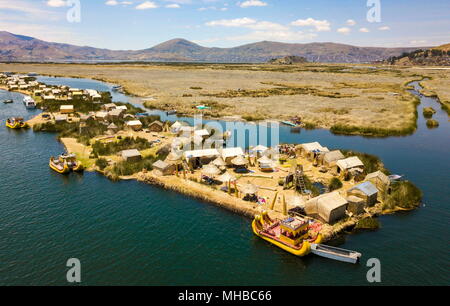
221, 199
335, 127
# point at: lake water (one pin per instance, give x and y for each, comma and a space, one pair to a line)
135, 234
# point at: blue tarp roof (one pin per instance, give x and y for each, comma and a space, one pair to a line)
367, 188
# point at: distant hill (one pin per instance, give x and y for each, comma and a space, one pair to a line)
23, 48
437, 56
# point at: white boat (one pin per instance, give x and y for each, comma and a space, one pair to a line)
335, 253
29, 102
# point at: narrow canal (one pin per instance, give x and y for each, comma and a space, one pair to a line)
135, 234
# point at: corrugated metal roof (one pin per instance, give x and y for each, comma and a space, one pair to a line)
367, 188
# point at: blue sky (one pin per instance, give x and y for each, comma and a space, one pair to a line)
139, 24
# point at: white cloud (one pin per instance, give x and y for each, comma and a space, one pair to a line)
248, 23
344, 30
319, 25
57, 3
418, 42
238, 22
364, 30
350, 22
147, 5
251, 3
115, 2
173, 5
385, 28
287, 36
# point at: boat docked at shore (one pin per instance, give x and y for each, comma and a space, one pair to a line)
29, 102
16, 123
65, 164
292, 234
335, 253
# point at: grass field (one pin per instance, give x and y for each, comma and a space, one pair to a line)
358, 99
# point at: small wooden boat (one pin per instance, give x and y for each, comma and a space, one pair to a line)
291, 234
16, 123
335, 253
9, 101
395, 177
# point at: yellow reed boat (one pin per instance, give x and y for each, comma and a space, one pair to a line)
291, 234
65, 163
16, 123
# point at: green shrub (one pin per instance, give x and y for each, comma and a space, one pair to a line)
367, 224
431, 123
126, 168
428, 112
335, 184
404, 195
102, 163
109, 148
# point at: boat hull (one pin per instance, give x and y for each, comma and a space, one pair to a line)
65, 170
303, 251
78, 168
14, 126
334, 253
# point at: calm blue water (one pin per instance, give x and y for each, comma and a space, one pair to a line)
136, 234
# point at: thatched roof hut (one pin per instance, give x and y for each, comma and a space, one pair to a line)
239, 161
210, 170
219, 162
248, 188
226, 177
379, 179
329, 206
330, 158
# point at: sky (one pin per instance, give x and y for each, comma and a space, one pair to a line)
140, 24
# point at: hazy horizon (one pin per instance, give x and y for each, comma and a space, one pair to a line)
139, 24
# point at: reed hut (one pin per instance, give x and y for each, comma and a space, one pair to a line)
366, 191
115, 114
109, 107
329, 207
380, 180
66, 109
228, 154
161, 168
134, 125
226, 178
156, 126
131, 155
112, 129
356, 205
329, 159
240, 161
174, 128
210, 170
349, 164
220, 163
266, 164
198, 158
248, 189
311, 150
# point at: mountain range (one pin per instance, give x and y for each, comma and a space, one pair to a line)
19, 48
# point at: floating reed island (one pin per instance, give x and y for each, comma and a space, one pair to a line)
338, 189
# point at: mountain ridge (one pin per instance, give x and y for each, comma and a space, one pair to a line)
23, 48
